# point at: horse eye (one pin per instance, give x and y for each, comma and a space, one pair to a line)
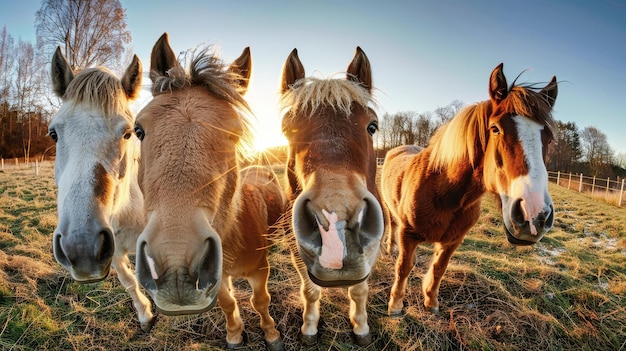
372, 128
495, 130
139, 132
127, 135
53, 134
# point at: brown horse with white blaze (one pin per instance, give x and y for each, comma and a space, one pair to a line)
434, 195
337, 218
207, 221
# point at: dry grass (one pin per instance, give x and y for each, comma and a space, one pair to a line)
567, 292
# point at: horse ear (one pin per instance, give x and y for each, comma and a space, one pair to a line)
162, 58
498, 88
242, 67
550, 91
292, 71
131, 81
62, 73
359, 69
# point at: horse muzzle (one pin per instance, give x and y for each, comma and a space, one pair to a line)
524, 229
179, 290
338, 248
87, 255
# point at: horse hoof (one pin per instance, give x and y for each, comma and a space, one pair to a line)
241, 344
147, 326
276, 345
308, 340
433, 310
363, 340
395, 314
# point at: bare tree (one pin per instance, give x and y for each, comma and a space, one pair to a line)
566, 151
425, 128
596, 150
91, 32
28, 83
7, 59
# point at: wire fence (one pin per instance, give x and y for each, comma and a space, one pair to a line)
611, 191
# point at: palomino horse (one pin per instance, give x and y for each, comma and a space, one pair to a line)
99, 205
206, 221
336, 214
434, 195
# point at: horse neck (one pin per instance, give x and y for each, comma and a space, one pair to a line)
227, 221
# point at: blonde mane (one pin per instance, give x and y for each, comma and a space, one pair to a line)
465, 137
313, 94
99, 88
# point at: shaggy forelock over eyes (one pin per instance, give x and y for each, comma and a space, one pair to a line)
100, 89
210, 72
313, 94
206, 70
470, 127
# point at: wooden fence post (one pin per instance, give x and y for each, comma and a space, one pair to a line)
36, 168
569, 181
606, 193
593, 185
621, 193
558, 177
580, 184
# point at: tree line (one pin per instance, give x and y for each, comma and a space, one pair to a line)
89, 32
574, 150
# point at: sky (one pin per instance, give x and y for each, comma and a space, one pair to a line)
423, 54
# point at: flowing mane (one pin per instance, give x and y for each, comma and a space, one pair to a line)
464, 138
99, 88
209, 71
313, 94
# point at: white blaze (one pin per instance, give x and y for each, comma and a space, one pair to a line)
531, 187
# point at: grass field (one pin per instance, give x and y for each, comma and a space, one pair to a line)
566, 293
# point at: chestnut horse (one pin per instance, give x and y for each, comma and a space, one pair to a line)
336, 213
434, 195
99, 204
207, 222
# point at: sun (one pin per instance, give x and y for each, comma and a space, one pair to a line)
265, 138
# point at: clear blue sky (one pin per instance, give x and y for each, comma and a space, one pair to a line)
424, 54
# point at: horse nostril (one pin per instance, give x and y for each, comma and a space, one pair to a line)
548, 221
107, 246
209, 268
517, 214
145, 274
59, 254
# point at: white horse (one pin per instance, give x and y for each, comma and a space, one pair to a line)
99, 204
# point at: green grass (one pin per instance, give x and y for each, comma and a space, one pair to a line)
566, 293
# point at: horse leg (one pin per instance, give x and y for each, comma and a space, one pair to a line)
404, 265
358, 313
432, 279
228, 304
126, 276
310, 294
260, 302
392, 228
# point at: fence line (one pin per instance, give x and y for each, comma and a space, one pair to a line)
17, 164
611, 191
